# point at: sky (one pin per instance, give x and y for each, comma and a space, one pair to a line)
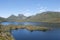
27, 7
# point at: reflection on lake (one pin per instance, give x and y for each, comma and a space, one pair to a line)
33, 23
23, 34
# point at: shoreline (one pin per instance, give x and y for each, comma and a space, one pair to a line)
5, 30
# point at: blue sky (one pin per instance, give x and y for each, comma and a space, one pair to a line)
27, 7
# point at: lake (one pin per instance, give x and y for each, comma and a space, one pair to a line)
24, 34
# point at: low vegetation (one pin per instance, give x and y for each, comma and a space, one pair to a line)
29, 27
4, 35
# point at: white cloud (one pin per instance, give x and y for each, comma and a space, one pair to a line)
26, 12
41, 9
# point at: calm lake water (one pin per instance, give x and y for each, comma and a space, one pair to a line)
23, 34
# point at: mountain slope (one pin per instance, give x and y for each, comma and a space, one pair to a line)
46, 17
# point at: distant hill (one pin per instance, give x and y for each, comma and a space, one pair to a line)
12, 18
2, 19
16, 18
45, 17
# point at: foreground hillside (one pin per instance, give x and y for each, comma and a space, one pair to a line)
46, 17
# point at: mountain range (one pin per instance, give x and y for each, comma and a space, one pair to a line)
48, 16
